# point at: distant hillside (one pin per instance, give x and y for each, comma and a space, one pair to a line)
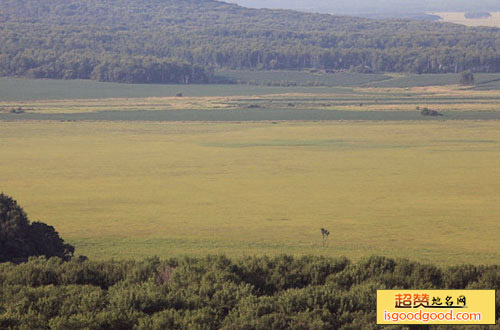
477, 15
375, 7
181, 41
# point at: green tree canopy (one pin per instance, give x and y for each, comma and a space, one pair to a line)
20, 240
182, 41
467, 78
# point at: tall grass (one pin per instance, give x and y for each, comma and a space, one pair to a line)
425, 190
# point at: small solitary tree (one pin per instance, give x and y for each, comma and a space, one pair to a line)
467, 78
324, 233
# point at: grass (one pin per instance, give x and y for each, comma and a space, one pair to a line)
62, 93
483, 80
121, 179
422, 190
459, 18
253, 115
299, 78
442, 98
13, 89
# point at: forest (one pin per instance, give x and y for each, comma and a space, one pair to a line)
216, 292
183, 41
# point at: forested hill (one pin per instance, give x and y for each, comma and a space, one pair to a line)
182, 40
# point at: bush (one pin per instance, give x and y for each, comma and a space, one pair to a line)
19, 239
467, 78
429, 112
216, 292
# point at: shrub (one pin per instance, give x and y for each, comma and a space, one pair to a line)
19, 239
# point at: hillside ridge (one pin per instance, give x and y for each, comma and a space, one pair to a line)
182, 41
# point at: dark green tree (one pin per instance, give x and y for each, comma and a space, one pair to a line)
20, 240
467, 78
324, 233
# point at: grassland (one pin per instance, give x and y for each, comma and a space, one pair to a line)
424, 190
257, 83
453, 101
459, 18
13, 89
119, 180
299, 78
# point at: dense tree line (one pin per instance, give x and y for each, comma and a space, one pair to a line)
182, 40
215, 292
126, 69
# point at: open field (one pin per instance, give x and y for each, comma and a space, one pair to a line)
299, 78
14, 89
482, 81
424, 190
351, 79
459, 18
246, 170
247, 115
26, 90
366, 103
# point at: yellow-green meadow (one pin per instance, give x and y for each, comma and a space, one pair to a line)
493, 20
426, 190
